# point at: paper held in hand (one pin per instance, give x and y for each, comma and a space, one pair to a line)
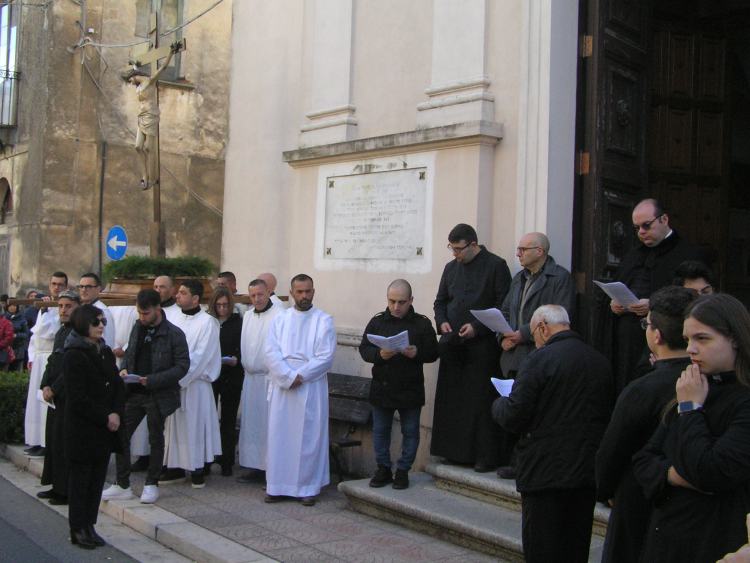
40, 398
131, 378
503, 386
492, 319
618, 292
397, 343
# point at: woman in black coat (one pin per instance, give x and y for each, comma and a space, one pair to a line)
95, 398
696, 467
228, 387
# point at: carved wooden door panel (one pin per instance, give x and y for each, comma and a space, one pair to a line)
615, 128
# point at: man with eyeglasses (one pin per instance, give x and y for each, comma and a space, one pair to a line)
462, 428
157, 352
41, 345
695, 275
638, 412
649, 266
559, 406
541, 282
89, 288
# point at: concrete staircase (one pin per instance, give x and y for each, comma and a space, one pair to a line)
456, 504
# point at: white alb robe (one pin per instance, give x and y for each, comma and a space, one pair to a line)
109, 330
304, 343
40, 347
125, 317
192, 435
277, 302
254, 402
171, 312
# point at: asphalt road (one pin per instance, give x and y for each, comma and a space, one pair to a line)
32, 533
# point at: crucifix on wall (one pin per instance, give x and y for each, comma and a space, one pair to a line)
147, 137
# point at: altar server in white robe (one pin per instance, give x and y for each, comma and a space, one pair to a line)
40, 347
254, 402
124, 317
192, 432
90, 287
299, 352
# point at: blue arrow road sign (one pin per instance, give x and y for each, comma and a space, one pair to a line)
117, 242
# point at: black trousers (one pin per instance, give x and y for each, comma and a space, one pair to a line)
228, 392
85, 484
556, 525
136, 407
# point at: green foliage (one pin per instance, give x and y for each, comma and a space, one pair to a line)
14, 386
134, 267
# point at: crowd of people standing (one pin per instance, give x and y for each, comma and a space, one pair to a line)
658, 430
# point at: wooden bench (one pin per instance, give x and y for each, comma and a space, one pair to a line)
347, 402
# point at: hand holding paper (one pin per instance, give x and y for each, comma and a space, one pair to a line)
492, 319
397, 343
618, 292
131, 378
40, 398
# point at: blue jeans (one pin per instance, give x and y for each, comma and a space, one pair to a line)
382, 422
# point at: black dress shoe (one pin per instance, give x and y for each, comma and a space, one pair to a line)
45, 494
96, 538
226, 471
506, 472
58, 500
82, 539
483, 467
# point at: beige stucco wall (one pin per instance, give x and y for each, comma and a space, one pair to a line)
270, 206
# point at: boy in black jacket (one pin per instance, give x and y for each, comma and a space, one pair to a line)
397, 381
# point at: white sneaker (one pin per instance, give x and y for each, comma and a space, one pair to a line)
150, 494
116, 492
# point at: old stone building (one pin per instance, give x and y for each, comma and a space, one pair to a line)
68, 170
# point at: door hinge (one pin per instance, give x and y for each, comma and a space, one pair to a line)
583, 162
587, 46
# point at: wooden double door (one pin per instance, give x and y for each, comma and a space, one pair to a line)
659, 84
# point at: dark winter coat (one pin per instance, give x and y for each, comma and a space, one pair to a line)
230, 339
93, 390
560, 404
708, 448
21, 335
637, 414
554, 286
399, 381
170, 361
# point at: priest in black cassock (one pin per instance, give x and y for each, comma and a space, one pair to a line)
649, 266
462, 429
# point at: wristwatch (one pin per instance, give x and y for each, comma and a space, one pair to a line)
688, 406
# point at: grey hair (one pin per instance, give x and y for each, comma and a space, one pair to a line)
550, 314
542, 241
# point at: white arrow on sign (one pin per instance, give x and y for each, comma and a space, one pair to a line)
114, 243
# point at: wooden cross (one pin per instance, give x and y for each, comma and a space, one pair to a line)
150, 54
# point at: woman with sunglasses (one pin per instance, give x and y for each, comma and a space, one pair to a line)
95, 400
696, 467
228, 387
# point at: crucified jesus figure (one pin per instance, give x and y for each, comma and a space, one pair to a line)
146, 139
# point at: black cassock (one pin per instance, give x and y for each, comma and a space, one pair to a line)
644, 270
637, 414
55, 470
462, 429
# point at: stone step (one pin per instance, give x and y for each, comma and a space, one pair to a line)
488, 487
459, 519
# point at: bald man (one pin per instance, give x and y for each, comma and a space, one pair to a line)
270, 281
650, 265
164, 286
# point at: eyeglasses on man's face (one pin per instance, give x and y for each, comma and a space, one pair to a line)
522, 249
644, 323
647, 225
457, 249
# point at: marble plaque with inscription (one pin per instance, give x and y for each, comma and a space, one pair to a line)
380, 215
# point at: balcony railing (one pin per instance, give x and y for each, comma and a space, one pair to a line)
8, 97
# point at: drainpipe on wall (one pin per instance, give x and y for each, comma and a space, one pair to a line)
100, 236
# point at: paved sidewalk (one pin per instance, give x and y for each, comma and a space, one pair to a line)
226, 516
